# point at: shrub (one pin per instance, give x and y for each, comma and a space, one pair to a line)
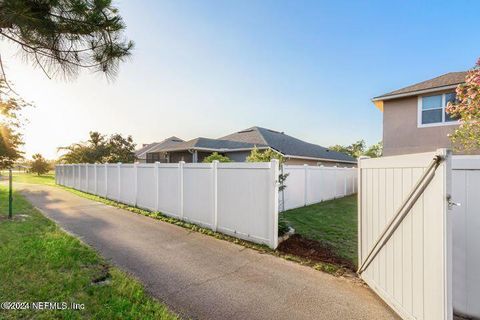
216, 156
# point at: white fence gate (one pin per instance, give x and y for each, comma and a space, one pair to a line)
404, 233
311, 184
466, 235
238, 199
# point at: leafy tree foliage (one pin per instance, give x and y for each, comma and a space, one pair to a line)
216, 156
267, 156
62, 36
39, 165
10, 123
359, 148
375, 150
100, 149
467, 109
264, 156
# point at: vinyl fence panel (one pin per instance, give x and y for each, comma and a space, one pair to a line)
101, 180
91, 181
466, 235
239, 199
248, 201
307, 185
146, 187
412, 272
83, 178
170, 187
113, 182
127, 184
198, 193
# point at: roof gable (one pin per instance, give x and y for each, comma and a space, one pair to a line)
167, 143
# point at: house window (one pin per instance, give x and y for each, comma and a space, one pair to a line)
153, 157
431, 110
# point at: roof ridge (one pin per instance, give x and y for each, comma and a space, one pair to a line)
261, 134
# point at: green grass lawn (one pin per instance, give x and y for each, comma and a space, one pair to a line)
331, 222
40, 262
48, 179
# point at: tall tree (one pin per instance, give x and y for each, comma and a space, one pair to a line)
100, 149
39, 165
120, 149
467, 109
10, 123
63, 36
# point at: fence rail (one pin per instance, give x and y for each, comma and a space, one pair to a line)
306, 184
238, 199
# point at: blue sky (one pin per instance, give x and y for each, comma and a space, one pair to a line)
208, 68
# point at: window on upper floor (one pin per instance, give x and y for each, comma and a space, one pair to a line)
431, 110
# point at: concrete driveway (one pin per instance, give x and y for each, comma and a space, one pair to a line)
201, 277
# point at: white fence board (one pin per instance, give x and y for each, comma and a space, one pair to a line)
127, 184
411, 272
253, 215
198, 194
147, 188
101, 180
91, 182
239, 199
466, 235
306, 185
169, 190
113, 188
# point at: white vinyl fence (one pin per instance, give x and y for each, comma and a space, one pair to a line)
466, 235
306, 184
238, 199
411, 269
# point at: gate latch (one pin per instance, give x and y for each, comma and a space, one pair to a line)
451, 203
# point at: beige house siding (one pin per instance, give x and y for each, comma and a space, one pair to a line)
401, 134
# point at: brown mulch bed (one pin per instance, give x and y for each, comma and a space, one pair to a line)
313, 250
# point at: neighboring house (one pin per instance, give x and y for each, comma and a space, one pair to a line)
237, 146
414, 117
148, 153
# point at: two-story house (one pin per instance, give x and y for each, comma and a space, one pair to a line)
414, 117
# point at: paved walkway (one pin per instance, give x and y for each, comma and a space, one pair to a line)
201, 277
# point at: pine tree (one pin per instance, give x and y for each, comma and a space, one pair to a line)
63, 36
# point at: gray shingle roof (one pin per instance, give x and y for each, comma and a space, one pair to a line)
156, 147
167, 143
211, 144
449, 79
286, 144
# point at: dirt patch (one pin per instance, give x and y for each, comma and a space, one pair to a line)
15, 217
103, 276
313, 250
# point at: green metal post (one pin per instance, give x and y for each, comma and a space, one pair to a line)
10, 198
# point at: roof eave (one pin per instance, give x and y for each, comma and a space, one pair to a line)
414, 93
215, 149
321, 159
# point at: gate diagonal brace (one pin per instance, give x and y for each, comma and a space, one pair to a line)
403, 210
